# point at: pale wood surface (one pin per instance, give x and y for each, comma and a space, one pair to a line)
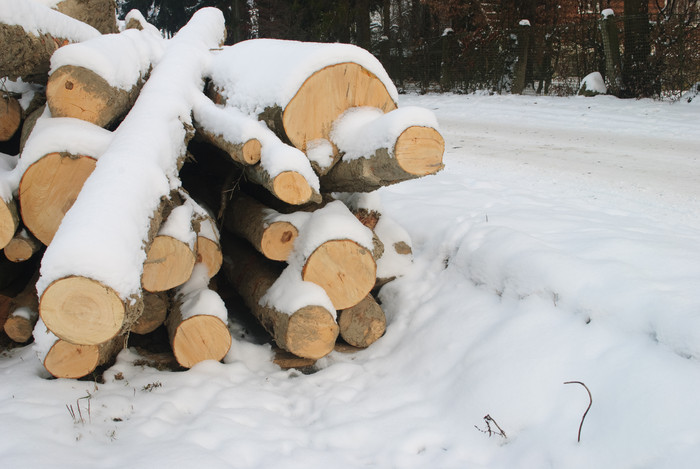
362, 324
48, 190
10, 117
209, 253
419, 150
289, 186
344, 269
197, 338
68, 360
22, 247
9, 221
81, 310
169, 263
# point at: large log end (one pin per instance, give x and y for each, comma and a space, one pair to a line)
199, 338
419, 150
311, 332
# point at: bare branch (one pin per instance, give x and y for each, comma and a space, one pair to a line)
590, 397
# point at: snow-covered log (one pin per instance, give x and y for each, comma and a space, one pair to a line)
58, 157
300, 89
298, 315
381, 149
100, 14
64, 359
22, 246
268, 231
334, 251
198, 322
208, 242
98, 80
90, 284
30, 33
361, 325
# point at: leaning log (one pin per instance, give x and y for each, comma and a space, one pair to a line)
30, 33
306, 329
314, 85
197, 322
90, 284
382, 149
98, 80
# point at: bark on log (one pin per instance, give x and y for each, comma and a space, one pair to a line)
208, 245
48, 190
28, 125
10, 117
67, 360
22, 247
249, 219
362, 324
100, 14
309, 332
197, 324
24, 314
246, 153
74, 91
9, 221
84, 311
417, 152
155, 310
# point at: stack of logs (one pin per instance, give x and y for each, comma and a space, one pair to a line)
296, 240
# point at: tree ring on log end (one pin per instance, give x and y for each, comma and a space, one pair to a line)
168, 264
66, 360
48, 190
325, 95
311, 332
75, 91
419, 150
278, 240
251, 151
292, 188
201, 337
344, 269
82, 311
209, 253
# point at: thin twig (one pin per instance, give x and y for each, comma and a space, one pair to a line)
590, 397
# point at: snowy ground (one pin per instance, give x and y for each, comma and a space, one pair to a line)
559, 244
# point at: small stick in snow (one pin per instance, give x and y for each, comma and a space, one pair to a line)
488, 419
590, 397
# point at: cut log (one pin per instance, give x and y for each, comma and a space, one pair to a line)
67, 360
5, 305
30, 33
382, 149
10, 117
48, 190
362, 324
84, 311
309, 331
266, 229
155, 310
300, 107
78, 92
100, 14
171, 257
290, 187
197, 324
24, 314
245, 153
208, 244
9, 221
22, 247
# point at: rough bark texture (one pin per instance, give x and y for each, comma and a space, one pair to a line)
84, 311
100, 14
309, 332
48, 190
417, 152
362, 324
248, 218
78, 92
25, 55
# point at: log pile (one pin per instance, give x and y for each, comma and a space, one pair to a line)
165, 178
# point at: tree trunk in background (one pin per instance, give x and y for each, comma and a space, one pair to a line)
362, 22
524, 32
637, 79
611, 43
385, 43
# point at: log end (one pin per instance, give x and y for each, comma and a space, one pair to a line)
364, 323
82, 311
19, 328
251, 150
20, 249
10, 117
200, 338
168, 264
278, 240
344, 269
292, 188
311, 332
74, 91
209, 253
48, 190
9, 221
66, 360
419, 150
